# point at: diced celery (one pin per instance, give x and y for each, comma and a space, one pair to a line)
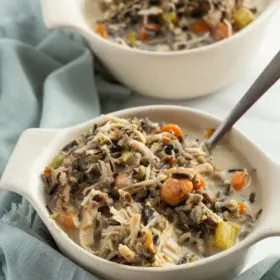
131, 37
243, 17
169, 17
57, 161
125, 156
226, 235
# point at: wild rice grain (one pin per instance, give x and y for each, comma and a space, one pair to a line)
259, 214
252, 197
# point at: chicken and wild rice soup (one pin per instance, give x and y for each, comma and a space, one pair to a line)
143, 193
171, 25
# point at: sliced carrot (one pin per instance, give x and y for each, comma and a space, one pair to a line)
175, 129
220, 32
149, 240
114, 134
242, 208
200, 26
122, 181
198, 182
172, 160
48, 171
152, 26
66, 219
101, 31
165, 140
209, 132
175, 191
239, 179
144, 34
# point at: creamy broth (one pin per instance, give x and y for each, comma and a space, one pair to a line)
226, 158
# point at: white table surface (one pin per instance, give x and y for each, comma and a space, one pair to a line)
261, 123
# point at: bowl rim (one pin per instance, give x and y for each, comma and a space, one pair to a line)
271, 7
254, 236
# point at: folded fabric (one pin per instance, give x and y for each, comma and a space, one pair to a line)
273, 273
259, 271
48, 79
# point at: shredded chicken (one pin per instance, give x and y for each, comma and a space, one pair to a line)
88, 216
143, 149
128, 254
134, 228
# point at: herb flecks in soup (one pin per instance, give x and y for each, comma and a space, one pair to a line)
172, 25
143, 193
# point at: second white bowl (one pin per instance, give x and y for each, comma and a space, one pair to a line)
170, 75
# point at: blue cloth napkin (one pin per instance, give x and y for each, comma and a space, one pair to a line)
47, 79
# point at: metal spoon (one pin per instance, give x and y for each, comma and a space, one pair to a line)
265, 80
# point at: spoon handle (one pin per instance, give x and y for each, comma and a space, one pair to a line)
266, 79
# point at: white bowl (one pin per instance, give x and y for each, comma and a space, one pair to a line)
37, 147
170, 75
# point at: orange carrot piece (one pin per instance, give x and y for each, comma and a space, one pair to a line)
149, 240
165, 140
239, 179
242, 208
200, 26
144, 34
101, 31
152, 26
200, 182
209, 132
172, 161
175, 191
48, 171
220, 32
175, 129
121, 181
66, 219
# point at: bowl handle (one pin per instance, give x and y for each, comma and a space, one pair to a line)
16, 177
62, 13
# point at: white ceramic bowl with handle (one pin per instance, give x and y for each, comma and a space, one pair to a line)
37, 147
170, 75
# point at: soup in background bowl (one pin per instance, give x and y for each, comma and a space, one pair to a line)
173, 25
